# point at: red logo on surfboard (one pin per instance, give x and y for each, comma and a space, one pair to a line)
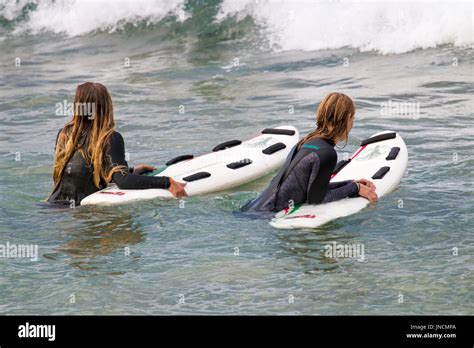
113, 193
306, 216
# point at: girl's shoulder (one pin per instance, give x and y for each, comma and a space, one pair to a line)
116, 141
116, 136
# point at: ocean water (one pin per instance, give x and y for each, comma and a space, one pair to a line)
187, 75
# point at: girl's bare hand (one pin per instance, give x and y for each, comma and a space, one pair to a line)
142, 168
177, 189
366, 183
368, 192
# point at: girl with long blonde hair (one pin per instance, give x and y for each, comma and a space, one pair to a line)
90, 154
305, 176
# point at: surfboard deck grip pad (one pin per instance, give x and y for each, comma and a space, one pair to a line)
378, 138
197, 176
393, 154
381, 173
273, 148
278, 131
179, 159
226, 145
239, 164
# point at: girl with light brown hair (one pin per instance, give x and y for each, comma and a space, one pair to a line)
90, 154
305, 176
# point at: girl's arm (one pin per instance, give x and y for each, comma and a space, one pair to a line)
350, 188
116, 155
337, 184
336, 190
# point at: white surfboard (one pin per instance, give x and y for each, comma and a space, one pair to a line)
231, 164
383, 162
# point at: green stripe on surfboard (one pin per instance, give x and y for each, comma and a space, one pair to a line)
155, 172
295, 208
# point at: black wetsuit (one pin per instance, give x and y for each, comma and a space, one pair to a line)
77, 179
304, 178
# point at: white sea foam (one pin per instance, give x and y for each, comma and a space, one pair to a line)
78, 17
386, 27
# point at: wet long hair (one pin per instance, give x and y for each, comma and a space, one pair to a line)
88, 133
334, 113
